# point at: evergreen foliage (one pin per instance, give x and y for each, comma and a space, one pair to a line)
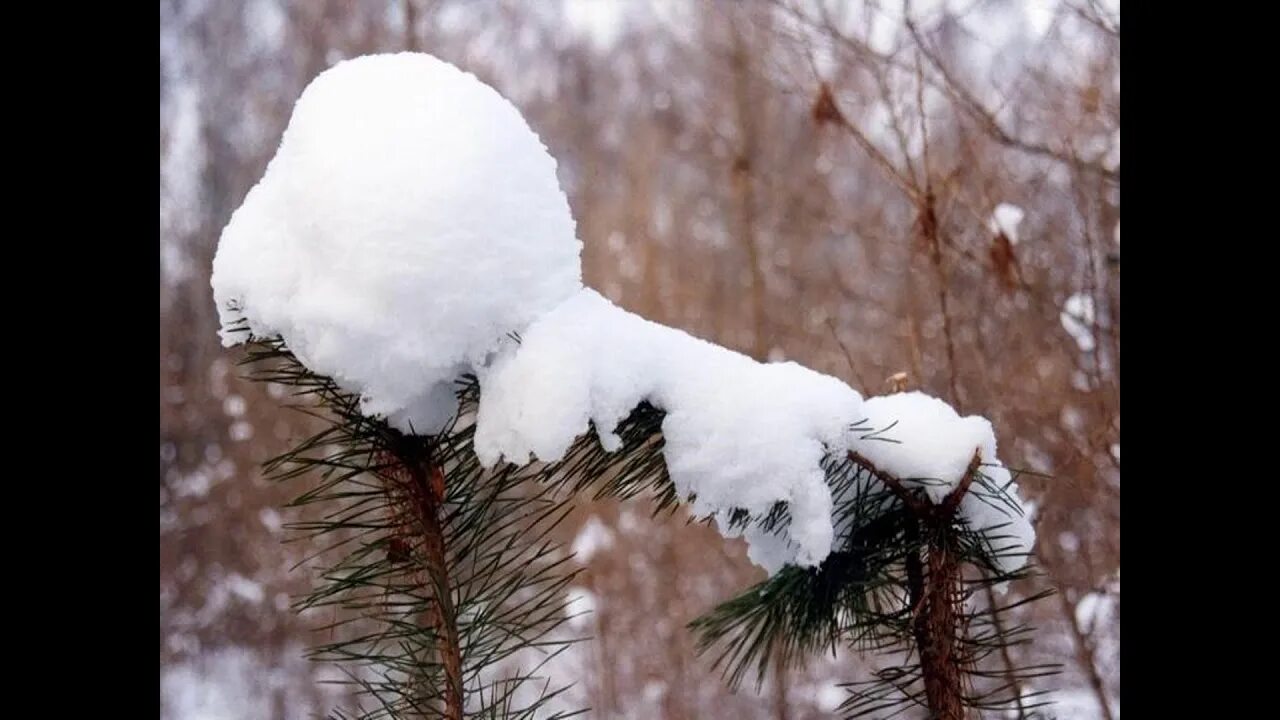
448, 592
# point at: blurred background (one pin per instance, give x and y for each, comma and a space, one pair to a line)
867, 188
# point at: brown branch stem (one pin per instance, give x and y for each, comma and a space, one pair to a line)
423, 489
935, 591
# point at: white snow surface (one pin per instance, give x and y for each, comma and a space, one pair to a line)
1077, 319
411, 228
580, 604
924, 442
739, 434
409, 221
591, 539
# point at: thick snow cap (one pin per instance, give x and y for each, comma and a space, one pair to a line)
409, 222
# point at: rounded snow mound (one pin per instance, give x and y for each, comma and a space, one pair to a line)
409, 222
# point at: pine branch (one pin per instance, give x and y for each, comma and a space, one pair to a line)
445, 571
894, 582
439, 574
423, 490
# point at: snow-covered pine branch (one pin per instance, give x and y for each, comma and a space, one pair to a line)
411, 227
411, 230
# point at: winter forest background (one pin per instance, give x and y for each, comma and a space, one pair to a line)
756, 173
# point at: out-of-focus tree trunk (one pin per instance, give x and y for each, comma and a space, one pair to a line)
746, 104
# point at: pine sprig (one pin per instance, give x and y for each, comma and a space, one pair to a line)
439, 574
870, 593
442, 575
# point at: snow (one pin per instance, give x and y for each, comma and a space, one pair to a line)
233, 405
270, 519
1080, 380
1040, 15
1076, 704
234, 682
409, 221
830, 696
1007, 529
739, 434
1005, 219
183, 153
1096, 610
600, 21
211, 689
240, 431
925, 443
1071, 418
242, 587
1086, 608
592, 538
580, 604
267, 22
654, 691
411, 229
922, 440
1077, 319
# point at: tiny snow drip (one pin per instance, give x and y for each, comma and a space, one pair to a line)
409, 222
1077, 319
1005, 219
